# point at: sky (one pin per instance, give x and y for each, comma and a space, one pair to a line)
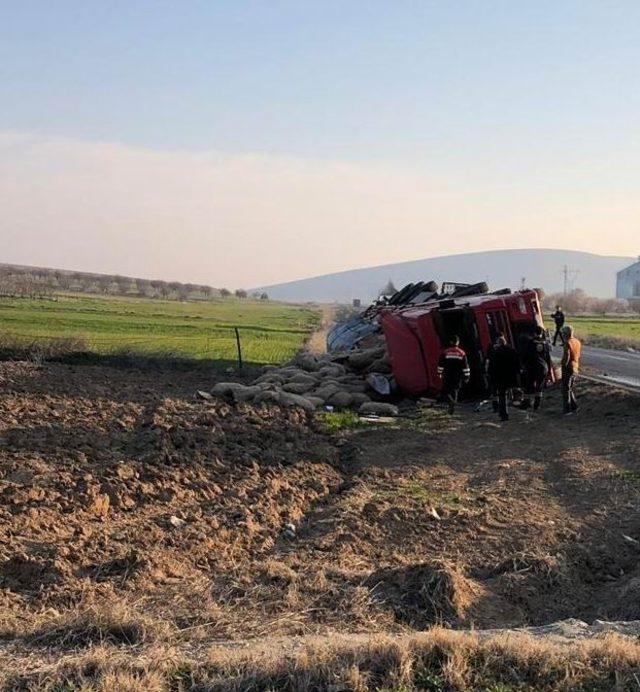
243, 143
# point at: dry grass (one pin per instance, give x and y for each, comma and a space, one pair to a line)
616, 343
436, 660
40, 350
77, 350
92, 622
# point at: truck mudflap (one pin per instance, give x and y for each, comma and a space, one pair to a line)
405, 354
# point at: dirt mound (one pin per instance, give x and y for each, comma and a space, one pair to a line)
425, 594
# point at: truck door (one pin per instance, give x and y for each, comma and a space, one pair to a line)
497, 322
461, 322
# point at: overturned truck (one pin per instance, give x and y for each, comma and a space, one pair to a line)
418, 321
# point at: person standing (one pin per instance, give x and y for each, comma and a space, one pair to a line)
559, 318
504, 372
536, 360
490, 384
570, 368
453, 368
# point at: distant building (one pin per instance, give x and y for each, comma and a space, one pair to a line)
628, 284
357, 303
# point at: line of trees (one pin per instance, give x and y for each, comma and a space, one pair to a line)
577, 301
27, 282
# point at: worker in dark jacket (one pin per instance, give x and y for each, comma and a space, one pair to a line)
490, 384
504, 372
558, 318
453, 368
536, 360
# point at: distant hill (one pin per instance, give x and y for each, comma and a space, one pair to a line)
596, 274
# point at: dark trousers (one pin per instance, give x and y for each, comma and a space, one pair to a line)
568, 395
502, 392
450, 394
557, 334
535, 380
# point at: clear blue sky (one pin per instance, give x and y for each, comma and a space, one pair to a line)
545, 92
368, 79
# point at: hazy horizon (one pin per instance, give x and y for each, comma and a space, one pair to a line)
246, 144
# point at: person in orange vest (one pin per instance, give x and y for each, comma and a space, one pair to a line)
570, 368
453, 368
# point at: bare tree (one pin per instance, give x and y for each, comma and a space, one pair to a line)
65, 281
123, 283
104, 283
155, 286
577, 301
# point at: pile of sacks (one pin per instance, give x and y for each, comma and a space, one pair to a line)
311, 382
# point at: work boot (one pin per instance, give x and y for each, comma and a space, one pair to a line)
537, 403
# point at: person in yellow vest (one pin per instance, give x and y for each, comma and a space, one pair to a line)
570, 368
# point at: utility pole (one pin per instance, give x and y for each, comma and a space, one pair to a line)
569, 276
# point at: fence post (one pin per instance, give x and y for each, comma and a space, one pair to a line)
239, 348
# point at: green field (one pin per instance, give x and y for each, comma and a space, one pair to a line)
622, 328
270, 332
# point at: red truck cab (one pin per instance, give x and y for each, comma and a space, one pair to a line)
415, 336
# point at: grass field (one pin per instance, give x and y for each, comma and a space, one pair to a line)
620, 330
270, 332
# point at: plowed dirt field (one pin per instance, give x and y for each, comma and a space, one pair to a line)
134, 515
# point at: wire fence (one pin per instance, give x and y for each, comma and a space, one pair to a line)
232, 344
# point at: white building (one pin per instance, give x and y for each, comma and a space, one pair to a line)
628, 284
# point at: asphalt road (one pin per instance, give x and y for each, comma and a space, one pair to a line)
622, 367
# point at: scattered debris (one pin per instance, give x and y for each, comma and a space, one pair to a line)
311, 382
289, 531
379, 383
378, 408
176, 522
378, 420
